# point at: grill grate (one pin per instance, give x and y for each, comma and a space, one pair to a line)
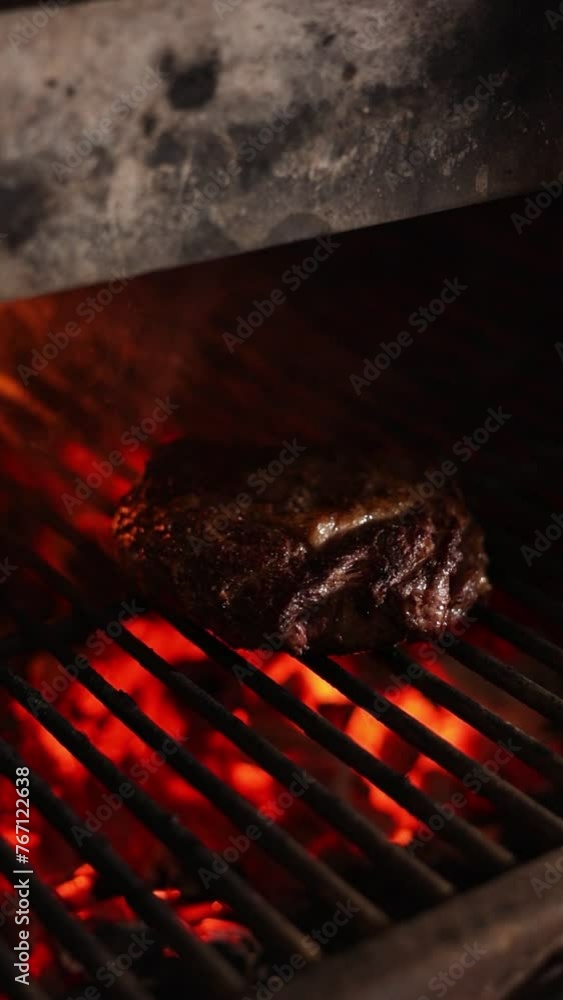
83, 945
281, 934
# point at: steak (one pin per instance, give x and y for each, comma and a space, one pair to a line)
310, 550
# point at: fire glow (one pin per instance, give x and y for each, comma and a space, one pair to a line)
103, 812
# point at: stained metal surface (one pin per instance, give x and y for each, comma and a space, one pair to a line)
139, 135
506, 930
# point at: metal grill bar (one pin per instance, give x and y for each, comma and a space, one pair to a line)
87, 950
41, 510
523, 688
531, 596
421, 878
347, 820
486, 854
17, 991
267, 923
351, 823
532, 751
198, 958
524, 638
310, 870
547, 827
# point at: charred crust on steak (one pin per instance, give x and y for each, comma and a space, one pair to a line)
337, 553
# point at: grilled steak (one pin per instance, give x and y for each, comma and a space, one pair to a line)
310, 551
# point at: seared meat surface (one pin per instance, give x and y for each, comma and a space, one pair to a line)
317, 551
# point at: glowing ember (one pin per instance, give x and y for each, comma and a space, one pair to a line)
77, 883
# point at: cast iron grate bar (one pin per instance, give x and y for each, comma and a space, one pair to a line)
486, 854
318, 876
529, 595
347, 820
532, 751
421, 878
13, 990
491, 856
39, 507
196, 956
86, 949
266, 922
508, 679
456, 762
547, 827
523, 637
